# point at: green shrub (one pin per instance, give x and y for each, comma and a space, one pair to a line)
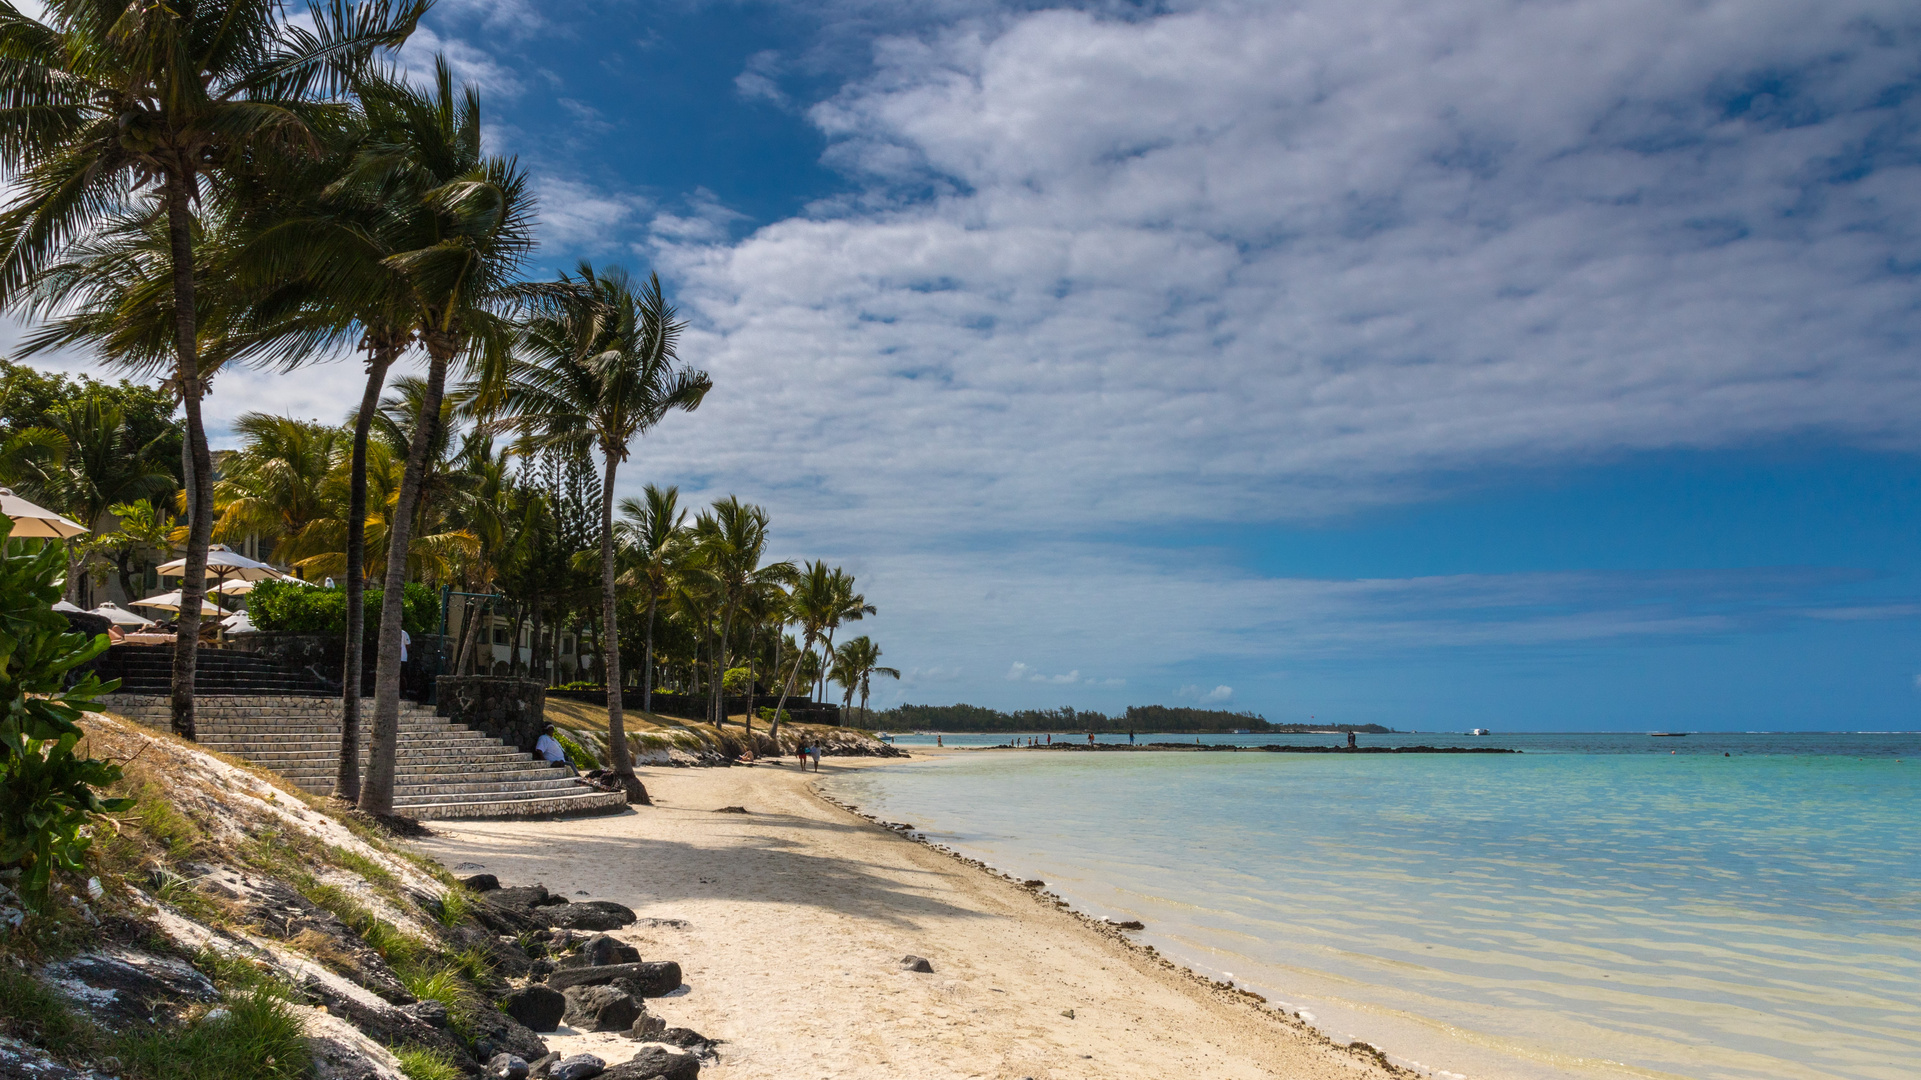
282, 606
47, 792
579, 684
766, 712
736, 680
577, 755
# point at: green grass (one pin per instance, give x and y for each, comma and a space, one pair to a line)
453, 907
435, 984
473, 964
165, 824
394, 945
256, 1037
422, 1064
375, 873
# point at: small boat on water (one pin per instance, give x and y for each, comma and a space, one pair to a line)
1480, 731
1667, 734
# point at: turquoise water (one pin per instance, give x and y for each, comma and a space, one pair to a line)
1597, 906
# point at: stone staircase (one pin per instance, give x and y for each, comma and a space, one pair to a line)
445, 770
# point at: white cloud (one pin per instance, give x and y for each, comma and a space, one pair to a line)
1249, 261
468, 62
584, 217
757, 78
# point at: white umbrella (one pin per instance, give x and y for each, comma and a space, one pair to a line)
171, 602
31, 520
62, 605
224, 565
232, 588
121, 615
238, 624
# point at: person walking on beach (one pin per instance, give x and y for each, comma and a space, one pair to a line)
816, 752
800, 751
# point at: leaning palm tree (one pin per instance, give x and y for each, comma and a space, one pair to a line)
595, 371
856, 663
847, 606
114, 96
815, 598
465, 225
653, 536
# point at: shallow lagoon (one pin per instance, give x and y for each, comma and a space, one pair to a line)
1599, 905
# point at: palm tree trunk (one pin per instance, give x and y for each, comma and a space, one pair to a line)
377, 793
647, 670
193, 586
534, 656
347, 774
610, 644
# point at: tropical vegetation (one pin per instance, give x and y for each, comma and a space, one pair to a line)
217, 183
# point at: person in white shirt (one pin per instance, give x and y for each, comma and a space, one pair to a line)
548, 748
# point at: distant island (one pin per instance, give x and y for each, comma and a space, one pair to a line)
1154, 718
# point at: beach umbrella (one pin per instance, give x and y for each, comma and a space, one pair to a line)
233, 588
32, 520
62, 605
171, 602
224, 565
121, 615
238, 624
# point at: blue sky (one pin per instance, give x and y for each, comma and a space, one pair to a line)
1513, 364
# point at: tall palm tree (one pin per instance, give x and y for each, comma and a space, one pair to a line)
595, 371
101, 466
730, 540
465, 225
856, 663
815, 598
113, 96
654, 535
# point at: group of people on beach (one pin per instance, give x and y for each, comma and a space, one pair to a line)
806, 750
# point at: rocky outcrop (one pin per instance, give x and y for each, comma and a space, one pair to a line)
124, 988
590, 915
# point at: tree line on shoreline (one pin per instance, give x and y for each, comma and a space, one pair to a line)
1174, 720
218, 183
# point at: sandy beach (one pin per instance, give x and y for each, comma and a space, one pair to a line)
798, 912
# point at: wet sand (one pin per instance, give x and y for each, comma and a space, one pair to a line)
798, 913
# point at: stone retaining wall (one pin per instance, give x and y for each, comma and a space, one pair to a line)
511, 710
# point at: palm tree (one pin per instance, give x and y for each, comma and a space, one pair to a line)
114, 96
730, 541
596, 370
654, 535
275, 488
464, 224
847, 606
99, 466
855, 664
815, 598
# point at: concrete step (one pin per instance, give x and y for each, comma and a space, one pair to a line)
586, 802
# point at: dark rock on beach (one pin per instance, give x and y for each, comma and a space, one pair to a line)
600, 951
496, 1033
507, 1067
523, 896
540, 1008
577, 1067
916, 963
687, 1039
655, 1061
600, 1008
481, 882
589, 915
656, 978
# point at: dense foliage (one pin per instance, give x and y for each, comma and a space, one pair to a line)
310, 609
28, 397
48, 793
1158, 718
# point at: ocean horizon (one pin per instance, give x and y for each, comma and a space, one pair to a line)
1728, 905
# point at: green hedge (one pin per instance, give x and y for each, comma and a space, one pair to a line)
279, 606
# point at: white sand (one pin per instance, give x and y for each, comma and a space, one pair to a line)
798, 915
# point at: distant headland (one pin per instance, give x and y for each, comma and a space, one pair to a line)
1146, 718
